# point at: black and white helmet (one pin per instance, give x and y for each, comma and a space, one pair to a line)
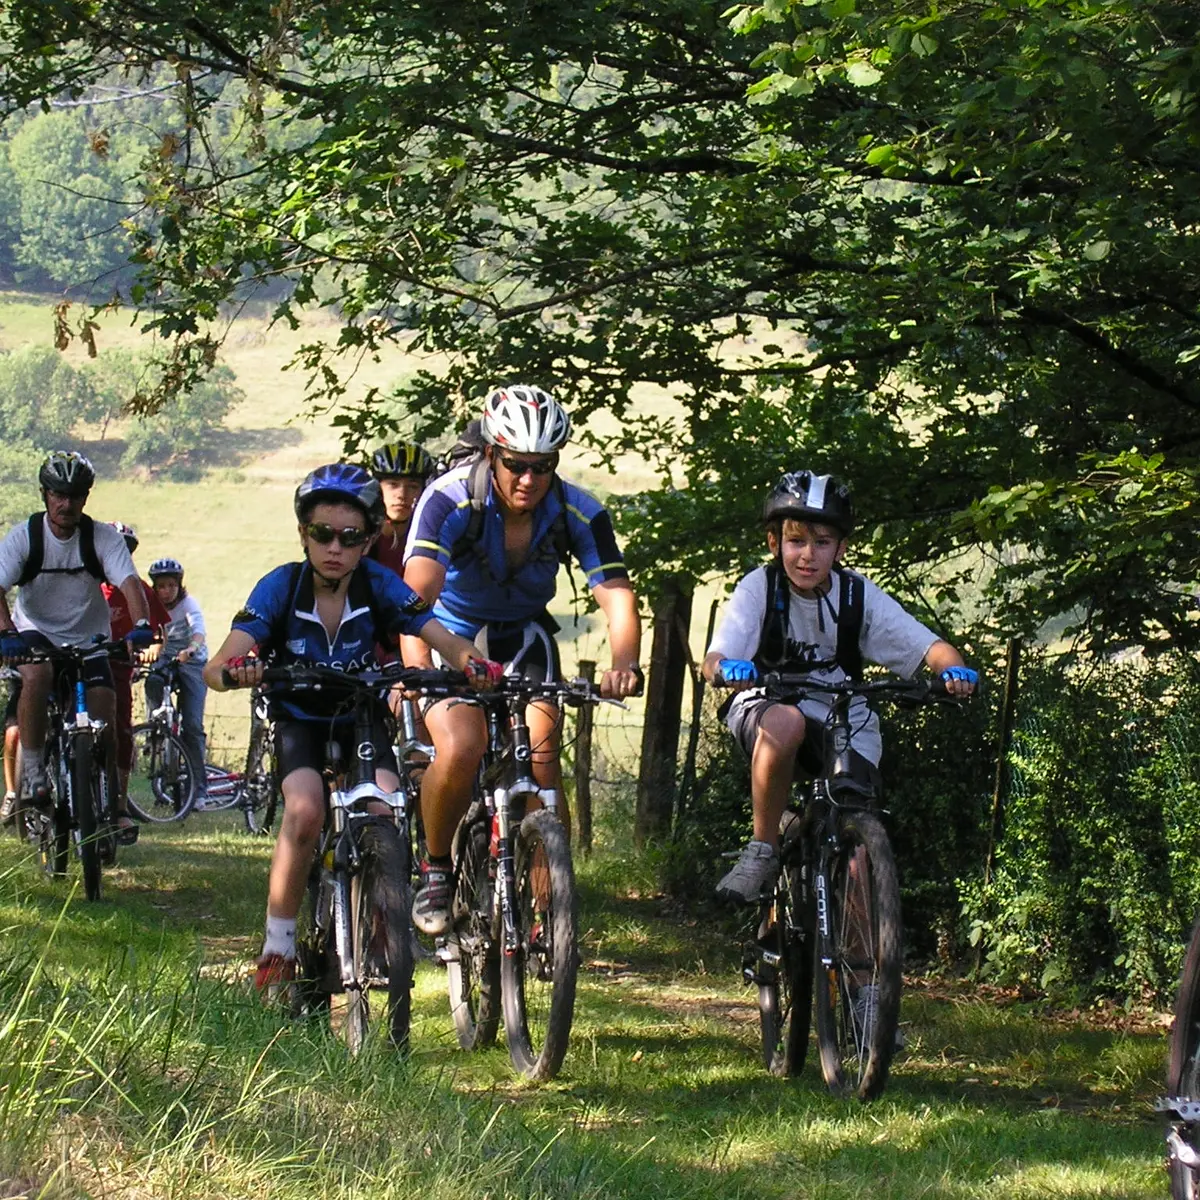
166, 566
67, 472
808, 497
525, 419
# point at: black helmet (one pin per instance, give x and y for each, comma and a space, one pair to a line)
808, 497
398, 460
68, 473
341, 483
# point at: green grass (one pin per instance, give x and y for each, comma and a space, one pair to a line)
134, 1061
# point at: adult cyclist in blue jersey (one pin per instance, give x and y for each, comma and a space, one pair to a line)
329, 610
485, 548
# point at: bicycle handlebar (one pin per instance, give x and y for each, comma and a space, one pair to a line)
313, 677
912, 691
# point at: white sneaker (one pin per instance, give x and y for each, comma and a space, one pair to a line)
200, 805
753, 874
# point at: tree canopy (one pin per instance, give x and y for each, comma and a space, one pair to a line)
947, 251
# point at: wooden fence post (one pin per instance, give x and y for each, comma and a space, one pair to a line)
687, 781
583, 762
664, 704
1008, 712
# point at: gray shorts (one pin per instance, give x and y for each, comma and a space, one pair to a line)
746, 716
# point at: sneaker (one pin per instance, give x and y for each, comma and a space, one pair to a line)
864, 1007
8, 808
200, 804
273, 975
431, 904
35, 788
753, 874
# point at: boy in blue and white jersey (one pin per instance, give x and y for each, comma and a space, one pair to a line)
485, 548
329, 610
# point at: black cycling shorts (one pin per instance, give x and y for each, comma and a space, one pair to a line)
301, 744
95, 671
527, 648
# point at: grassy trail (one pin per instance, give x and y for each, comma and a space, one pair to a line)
134, 1062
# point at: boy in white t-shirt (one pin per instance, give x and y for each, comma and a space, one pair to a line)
808, 519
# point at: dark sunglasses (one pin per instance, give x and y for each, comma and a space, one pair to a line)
324, 534
540, 466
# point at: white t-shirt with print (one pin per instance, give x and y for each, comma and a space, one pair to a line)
187, 622
890, 637
64, 602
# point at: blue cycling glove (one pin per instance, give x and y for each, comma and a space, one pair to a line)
141, 635
12, 644
737, 670
960, 675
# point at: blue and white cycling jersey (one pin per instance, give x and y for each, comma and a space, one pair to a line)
480, 589
281, 616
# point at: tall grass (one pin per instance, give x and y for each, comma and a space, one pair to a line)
134, 1061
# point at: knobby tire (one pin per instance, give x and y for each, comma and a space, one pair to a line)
260, 798
316, 964
866, 946
785, 988
473, 966
1183, 1066
380, 904
538, 980
85, 793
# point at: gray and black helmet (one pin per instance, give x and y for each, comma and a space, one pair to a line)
67, 472
804, 496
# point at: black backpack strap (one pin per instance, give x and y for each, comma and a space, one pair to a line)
87, 548
37, 550
849, 623
772, 642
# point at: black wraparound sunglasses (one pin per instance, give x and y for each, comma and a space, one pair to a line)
539, 466
324, 534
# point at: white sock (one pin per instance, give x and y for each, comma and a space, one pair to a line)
280, 937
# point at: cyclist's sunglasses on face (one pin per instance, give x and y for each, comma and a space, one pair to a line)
519, 467
349, 537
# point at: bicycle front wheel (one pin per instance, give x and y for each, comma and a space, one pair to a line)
52, 829
472, 955
1183, 1074
87, 803
260, 792
380, 903
538, 979
785, 973
161, 788
858, 990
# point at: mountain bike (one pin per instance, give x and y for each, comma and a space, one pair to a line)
833, 919
513, 937
160, 760
352, 934
79, 772
1183, 1081
254, 792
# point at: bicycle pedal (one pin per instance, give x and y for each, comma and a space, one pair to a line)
1183, 1107
446, 954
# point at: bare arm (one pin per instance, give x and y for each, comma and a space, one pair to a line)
6, 621
425, 576
135, 597
619, 605
237, 644
942, 655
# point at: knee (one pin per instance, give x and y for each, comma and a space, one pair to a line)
780, 733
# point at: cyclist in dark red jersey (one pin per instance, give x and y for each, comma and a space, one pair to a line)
402, 469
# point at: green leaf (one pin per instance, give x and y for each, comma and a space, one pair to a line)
923, 45
1095, 251
862, 74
